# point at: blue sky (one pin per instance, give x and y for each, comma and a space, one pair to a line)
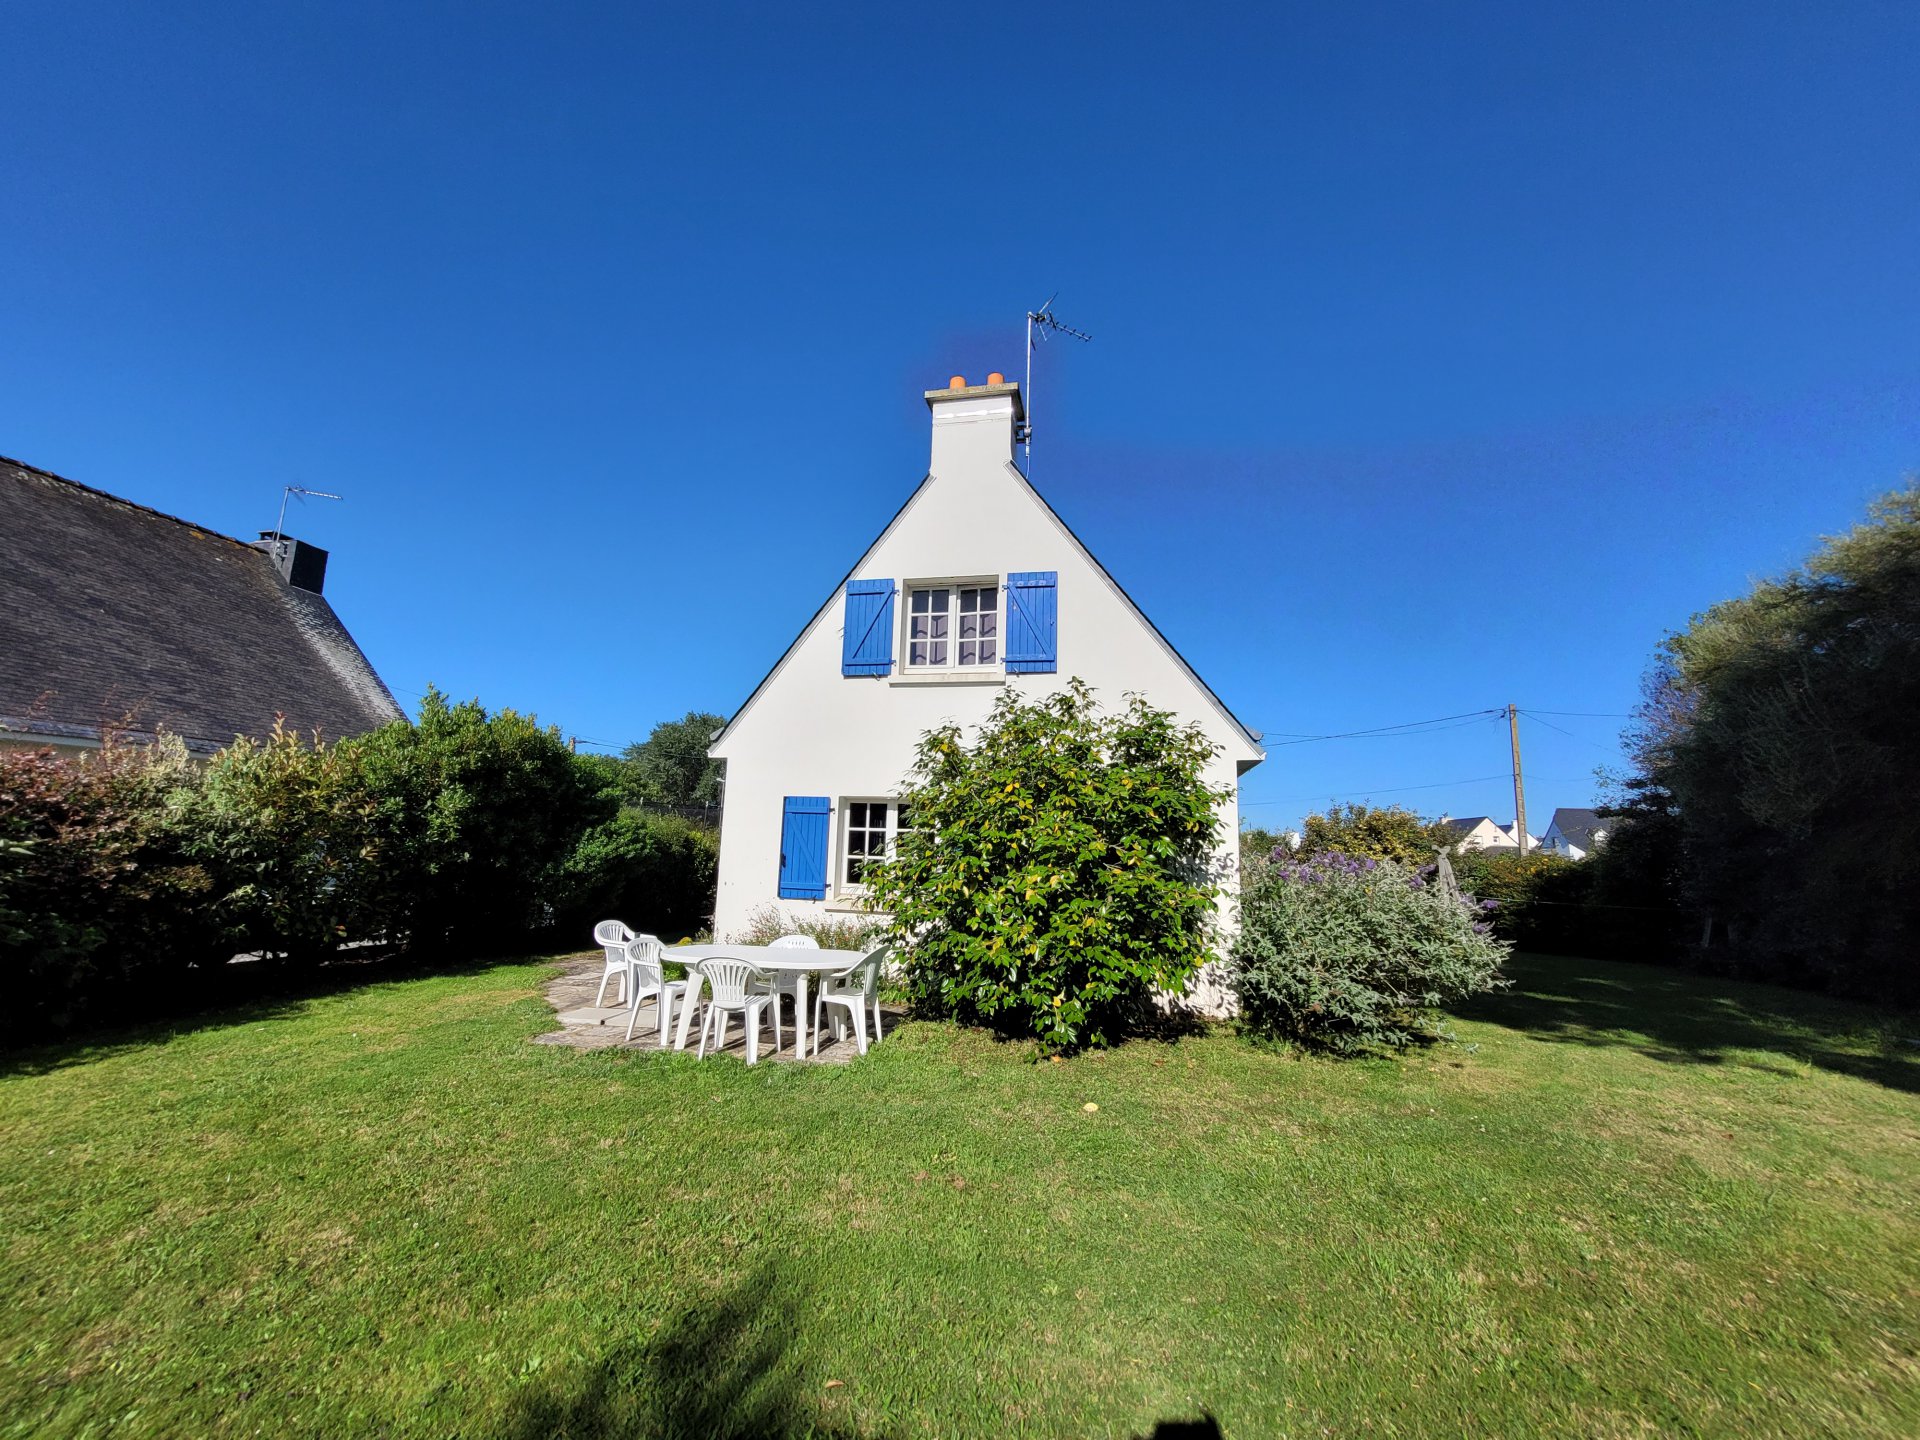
1445, 355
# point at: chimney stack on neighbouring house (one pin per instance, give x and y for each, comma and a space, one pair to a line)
974, 425
301, 565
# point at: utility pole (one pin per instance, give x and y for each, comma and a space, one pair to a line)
1519, 790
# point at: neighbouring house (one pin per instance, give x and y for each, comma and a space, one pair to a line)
1574, 833
1478, 832
976, 585
115, 618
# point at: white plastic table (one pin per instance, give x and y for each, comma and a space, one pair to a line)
791, 959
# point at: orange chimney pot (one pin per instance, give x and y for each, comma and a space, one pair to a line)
996, 378
958, 382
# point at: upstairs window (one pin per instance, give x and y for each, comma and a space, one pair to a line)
953, 627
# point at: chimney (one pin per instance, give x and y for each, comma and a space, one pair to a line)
974, 425
301, 565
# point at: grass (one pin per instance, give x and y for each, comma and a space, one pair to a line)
1628, 1202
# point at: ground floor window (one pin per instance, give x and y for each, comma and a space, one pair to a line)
871, 828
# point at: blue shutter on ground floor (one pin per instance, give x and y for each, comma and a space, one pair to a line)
866, 642
803, 847
1032, 622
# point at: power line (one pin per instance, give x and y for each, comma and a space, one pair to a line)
1375, 790
1534, 715
1412, 727
1586, 714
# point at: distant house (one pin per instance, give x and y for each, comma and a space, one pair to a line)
1478, 832
1574, 833
114, 617
976, 587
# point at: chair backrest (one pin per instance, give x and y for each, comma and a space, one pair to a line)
865, 972
643, 958
728, 977
612, 936
795, 942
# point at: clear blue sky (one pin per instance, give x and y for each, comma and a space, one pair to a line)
1445, 355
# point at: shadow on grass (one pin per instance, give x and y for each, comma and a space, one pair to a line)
236, 994
722, 1368
1684, 1018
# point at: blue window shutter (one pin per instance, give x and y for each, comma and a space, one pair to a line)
1032, 622
866, 644
803, 847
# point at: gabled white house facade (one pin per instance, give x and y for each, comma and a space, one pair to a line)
1478, 832
975, 587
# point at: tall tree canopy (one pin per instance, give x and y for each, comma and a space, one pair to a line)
1782, 729
670, 767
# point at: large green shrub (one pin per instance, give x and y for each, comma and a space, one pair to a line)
656, 872
1779, 739
1541, 899
277, 827
467, 819
100, 900
129, 877
1346, 954
1388, 832
1057, 871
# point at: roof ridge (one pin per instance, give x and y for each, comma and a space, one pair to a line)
122, 500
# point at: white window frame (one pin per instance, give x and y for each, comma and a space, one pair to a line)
843, 849
951, 666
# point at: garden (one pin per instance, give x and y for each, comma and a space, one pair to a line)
1428, 1182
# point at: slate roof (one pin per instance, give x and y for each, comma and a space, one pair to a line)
110, 610
1576, 825
1466, 823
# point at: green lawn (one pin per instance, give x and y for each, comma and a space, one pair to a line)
1628, 1202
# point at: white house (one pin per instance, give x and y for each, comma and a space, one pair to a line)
1575, 833
1478, 832
974, 586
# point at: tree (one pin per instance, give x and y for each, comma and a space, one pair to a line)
671, 767
466, 820
1391, 833
1779, 730
1058, 870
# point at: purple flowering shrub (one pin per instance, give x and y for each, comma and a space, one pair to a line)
1349, 954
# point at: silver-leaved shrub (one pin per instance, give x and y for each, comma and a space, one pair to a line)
1346, 955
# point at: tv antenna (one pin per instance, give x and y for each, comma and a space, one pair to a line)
1040, 323
288, 492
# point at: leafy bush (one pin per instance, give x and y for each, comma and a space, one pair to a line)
1388, 833
1541, 899
1058, 871
130, 876
768, 923
654, 871
1346, 954
1777, 759
97, 898
466, 820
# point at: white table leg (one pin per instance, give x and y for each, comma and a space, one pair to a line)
800, 1016
695, 983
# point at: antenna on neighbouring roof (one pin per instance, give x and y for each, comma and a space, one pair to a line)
1039, 323
279, 539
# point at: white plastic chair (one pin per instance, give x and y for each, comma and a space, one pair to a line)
612, 936
857, 990
736, 986
786, 983
646, 978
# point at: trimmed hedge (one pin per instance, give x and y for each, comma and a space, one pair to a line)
129, 877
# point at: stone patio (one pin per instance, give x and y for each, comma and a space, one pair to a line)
585, 1027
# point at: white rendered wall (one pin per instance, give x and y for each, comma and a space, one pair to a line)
813, 731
